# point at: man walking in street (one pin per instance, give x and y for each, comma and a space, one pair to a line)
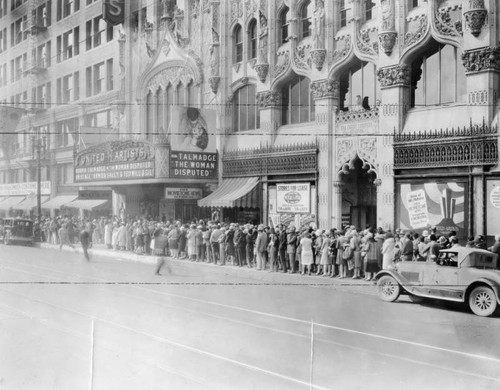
85, 241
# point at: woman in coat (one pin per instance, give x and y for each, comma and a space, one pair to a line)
388, 250
173, 241
370, 248
191, 243
307, 253
272, 249
326, 260
182, 242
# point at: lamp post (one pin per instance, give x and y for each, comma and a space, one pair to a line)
39, 145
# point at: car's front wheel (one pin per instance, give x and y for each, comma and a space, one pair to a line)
482, 301
388, 288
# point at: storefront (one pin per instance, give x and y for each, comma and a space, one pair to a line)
20, 199
268, 185
442, 180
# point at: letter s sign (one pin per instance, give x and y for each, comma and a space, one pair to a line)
113, 11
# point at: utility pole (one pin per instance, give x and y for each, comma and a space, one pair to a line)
39, 146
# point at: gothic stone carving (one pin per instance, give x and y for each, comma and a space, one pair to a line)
282, 63
302, 57
365, 45
214, 83
486, 58
446, 26
412, 37
318, 33
475, 17
387, 15
343, 50
262, 71
318, 57
325, 89
393, 76
269, 99
387, 41
173, 75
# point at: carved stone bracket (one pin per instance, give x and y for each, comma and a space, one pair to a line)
394, 76
484, 59
325, 89
318, 57
269, 99
446, 26
262, 71
475, 17
282, 63
214, 83
387, 41
418, 33
348, 149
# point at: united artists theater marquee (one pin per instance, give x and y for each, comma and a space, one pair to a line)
130, 162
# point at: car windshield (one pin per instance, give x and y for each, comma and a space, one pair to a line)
449, 259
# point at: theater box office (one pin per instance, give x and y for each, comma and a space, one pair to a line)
149, 180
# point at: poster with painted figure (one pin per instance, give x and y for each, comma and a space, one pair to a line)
193, 130
424, 204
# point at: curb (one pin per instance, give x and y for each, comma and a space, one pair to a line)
265, 277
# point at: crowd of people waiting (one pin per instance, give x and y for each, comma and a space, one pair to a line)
350, 252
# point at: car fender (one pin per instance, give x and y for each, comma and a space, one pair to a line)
494, 286
402, 281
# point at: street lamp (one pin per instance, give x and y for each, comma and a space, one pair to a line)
38, 147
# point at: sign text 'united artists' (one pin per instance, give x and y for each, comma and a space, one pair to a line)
193, 164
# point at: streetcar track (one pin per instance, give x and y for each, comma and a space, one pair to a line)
461, 372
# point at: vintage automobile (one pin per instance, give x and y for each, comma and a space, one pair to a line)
467, 275
17, 230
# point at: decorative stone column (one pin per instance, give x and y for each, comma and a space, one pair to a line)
475, 16
262, 66
214, 79
395, 95
269, 104
338, 187
318, 53
387, 31
325, 94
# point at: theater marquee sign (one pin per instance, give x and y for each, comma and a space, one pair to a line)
115, 160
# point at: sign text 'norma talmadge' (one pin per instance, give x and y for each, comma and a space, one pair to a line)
200, 165
117, 160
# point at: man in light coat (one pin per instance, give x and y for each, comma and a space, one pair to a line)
261, 248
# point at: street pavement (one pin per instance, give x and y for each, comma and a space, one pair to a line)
107, 324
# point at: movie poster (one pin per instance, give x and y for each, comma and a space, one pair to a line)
193, 130
422, 205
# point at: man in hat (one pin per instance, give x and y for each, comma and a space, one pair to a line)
261, 247
214, 243
282, 248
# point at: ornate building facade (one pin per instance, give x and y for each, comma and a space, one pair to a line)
364, 112
348, 99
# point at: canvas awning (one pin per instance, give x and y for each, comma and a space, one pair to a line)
88, 204
29, 202
11, 202
234, 192
59, 201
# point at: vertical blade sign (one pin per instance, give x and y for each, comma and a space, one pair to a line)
113, 11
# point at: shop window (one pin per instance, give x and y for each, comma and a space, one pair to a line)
437, 76
305, 19
246, 115
359, 88
284, 24
238, 44
252, 40
297, 103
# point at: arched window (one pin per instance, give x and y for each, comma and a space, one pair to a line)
238, 44
168, 104
284, 23
252, 40
297, 103
359, 87
160, 109
192, 92
246, 115
305, 19
437, 76
368, 9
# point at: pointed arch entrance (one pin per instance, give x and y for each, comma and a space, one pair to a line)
358, 186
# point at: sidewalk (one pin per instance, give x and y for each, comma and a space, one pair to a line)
263, 277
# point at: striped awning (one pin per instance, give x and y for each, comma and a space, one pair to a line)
59, 201
29, 202
88, 204
234, 192
9, 203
